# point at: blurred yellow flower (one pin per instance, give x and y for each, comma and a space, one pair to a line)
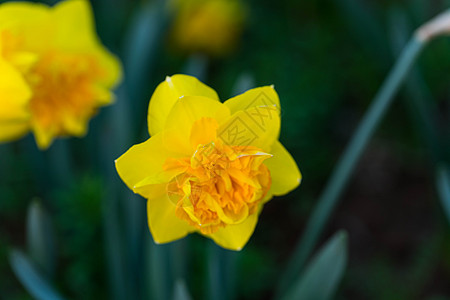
208, 167
208, 26
66, 68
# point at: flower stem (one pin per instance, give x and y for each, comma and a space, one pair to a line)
340, 177
443, 187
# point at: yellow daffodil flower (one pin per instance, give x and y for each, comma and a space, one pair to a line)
208, 26
57, 54
208, 167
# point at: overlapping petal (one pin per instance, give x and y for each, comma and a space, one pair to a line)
261, 96
283, 170
167, 94
257, 126
14, 96
76, 33
164, 225
143, 161
186, 111
234, 237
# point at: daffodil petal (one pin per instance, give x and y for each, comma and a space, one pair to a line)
164, 225
190, 109
76, 32
11, 130
43, 136
256, 126
142, 161
75, 28
24, 17
234, 237
14, 98
151, 191
167, 94
203, 131
283, 170
14, 95
261, 96
23, 60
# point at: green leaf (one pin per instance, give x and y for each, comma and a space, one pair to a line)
180, 291
40, 237
243, 83
142, 41
222, 264
159, 274
29, 275
443, 186
323, 274
197, 66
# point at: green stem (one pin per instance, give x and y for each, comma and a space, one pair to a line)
443, 187
222, 266
418, 98
346, 165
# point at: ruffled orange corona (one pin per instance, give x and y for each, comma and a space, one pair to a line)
58, 55
209, 167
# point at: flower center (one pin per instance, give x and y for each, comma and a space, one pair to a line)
64, 94
220, 185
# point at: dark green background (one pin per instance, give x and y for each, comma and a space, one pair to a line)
326, 59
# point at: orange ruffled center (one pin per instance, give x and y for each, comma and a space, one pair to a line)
65, 95
220, 185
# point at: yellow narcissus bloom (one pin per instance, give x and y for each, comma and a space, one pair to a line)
208, 167
60, 58
208, 26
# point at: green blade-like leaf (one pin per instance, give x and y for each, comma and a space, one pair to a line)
158, 276
323, 274
40, 237
243, 83
180, 291
222, 264
30, 277
443, 186
142, 41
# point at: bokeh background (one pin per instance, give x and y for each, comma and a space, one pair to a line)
326, 59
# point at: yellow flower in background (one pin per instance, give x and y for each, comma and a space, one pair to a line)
58, 55
209, 167
208, 26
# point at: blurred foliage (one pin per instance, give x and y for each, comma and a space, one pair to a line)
326, 65
78, 219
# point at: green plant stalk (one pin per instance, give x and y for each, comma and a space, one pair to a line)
340, 177
443, 187
222, 265
418, 98
114, 232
